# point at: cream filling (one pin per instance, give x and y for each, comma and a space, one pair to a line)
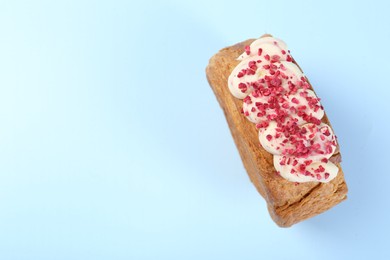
312, 172
315, 166
321, 135
269, 45
255, 115
288, 68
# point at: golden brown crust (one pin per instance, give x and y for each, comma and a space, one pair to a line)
288, 203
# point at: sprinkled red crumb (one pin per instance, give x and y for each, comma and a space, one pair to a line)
263, 124
283, 52
267, 57
283, 161
269, 137
247, 100
251, 71
266, 92
289, 58
327, 132
326, 175
247, 49
308, 162
329, 149
252, 64
243, 87
260, 51
324, 160
319, 169
295, 101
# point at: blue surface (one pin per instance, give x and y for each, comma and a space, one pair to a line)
112, 145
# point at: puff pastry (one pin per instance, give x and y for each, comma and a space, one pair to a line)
288, 202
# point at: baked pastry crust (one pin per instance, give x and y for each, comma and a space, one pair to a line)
288, 202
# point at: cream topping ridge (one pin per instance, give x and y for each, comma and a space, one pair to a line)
278, 99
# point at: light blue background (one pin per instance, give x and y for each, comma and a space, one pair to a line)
113, 146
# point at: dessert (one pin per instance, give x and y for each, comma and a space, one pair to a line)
284, 137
